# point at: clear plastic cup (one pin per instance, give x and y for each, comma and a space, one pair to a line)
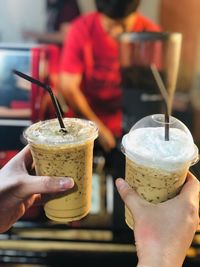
156, 168
67, 155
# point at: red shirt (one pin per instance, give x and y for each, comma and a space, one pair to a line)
90, 51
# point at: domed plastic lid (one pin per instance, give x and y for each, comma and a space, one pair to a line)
146, 145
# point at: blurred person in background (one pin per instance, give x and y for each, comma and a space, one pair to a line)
90, 70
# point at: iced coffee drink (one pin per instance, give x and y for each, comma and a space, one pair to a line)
70, 154
156, 168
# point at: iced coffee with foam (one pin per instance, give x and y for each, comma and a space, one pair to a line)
70, 154
156, 168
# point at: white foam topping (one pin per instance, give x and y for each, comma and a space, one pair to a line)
48, 132
147, 146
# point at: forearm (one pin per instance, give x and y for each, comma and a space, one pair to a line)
54, 37
77, 100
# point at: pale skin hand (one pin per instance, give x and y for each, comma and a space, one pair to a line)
70, 89
163, 232
19, 190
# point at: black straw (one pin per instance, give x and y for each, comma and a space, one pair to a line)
165, 96
49, 90
166, 126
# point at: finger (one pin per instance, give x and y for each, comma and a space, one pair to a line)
37, 200
26, 160
191, 188
130, 197
23, 155
23, 159
44, 184
29, 202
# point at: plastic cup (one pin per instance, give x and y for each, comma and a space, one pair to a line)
68, 155
156, 168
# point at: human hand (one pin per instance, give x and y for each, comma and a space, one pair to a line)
106, 138
19, 190
163, 232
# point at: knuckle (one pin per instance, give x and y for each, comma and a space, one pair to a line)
126, 192
47, 182
19, 181
193, 211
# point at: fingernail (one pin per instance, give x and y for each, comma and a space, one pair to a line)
119, 183
66, 183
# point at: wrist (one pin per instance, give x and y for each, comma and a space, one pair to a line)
156, 263
159, 259
153, 262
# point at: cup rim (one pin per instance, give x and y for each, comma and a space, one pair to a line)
32, 140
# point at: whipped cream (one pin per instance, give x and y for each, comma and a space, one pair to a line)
48, 132
146, 146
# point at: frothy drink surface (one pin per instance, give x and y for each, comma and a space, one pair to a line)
147, 146
68, 155
48, 132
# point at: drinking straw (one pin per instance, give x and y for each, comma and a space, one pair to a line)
49, 90
165, 96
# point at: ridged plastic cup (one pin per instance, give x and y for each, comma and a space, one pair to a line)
71, 155
156, 168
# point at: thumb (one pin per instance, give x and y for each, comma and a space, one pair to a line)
46, 184
128, 195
